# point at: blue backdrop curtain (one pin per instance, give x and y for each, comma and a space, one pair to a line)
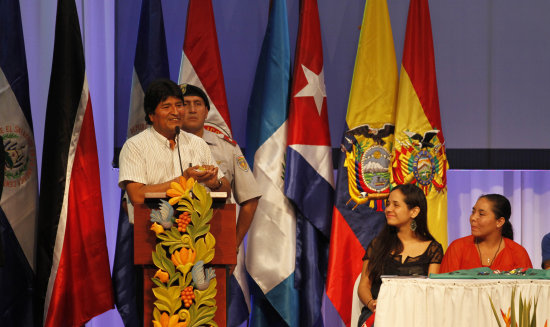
467, 87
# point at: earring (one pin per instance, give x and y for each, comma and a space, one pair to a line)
413, 225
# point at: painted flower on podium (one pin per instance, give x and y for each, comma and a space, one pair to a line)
184, 290
157, 228
184, 259
162, 276
180, 189
169, 321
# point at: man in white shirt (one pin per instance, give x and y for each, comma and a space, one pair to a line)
152, 159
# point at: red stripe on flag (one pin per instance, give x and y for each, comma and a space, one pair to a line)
344, 265
201, 48
419, 62
82, 288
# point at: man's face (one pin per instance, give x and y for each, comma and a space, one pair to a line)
167, 115
194, 114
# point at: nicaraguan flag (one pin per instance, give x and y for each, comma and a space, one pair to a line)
150, 63
271, 248
19, 195
309, 172
73, 274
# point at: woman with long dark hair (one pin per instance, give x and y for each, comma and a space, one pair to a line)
404, 247
491, 242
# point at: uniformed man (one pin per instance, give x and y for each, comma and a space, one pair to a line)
227, 154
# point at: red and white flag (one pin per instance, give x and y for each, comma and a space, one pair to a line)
73, 276
201, 64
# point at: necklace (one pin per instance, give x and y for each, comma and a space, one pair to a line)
489, 261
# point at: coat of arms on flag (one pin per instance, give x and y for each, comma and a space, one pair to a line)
421, 160
368, 157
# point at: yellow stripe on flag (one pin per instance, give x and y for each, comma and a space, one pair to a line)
373, 91
419, 149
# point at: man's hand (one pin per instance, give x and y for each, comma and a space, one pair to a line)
207, 175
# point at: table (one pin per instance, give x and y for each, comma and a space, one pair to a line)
455, 302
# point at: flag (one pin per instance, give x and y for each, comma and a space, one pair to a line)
270, 256
201, 64
125, 282
309, 174
419, 152
19, 196
363, 177
150, 63
73, 277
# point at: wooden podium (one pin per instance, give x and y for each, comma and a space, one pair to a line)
222, 226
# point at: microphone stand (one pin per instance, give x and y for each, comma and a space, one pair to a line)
178, 146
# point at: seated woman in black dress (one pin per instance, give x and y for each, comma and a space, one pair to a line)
404, 247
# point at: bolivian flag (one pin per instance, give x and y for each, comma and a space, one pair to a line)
419, 150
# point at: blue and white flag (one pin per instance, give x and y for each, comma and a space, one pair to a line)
150, 63
19, 197
271, 248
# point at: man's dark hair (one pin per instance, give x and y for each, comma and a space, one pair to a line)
158, 91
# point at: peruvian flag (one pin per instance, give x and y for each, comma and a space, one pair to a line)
73, 277
309, 177
201, 64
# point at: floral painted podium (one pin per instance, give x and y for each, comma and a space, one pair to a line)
185, 248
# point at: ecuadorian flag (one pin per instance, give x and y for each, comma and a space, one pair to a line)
363, 177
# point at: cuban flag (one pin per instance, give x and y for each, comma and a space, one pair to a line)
73, 274
309, 173
19, 189
150, 63
201, 64
271, 247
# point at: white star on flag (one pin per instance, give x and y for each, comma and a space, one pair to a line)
315, 87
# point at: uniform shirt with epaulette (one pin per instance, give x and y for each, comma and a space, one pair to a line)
230, 159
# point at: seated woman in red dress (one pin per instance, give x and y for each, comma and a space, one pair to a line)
404, 247
490, 244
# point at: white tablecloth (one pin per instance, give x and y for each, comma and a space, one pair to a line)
455, 302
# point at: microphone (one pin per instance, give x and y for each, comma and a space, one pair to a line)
178, 146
